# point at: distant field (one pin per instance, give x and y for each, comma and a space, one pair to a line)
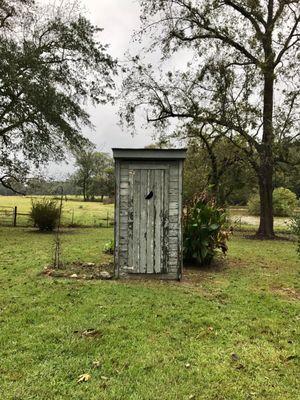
75, 210
240, 217
78, 212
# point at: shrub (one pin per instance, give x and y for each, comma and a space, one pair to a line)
254, 205
295, 229
109, 247
284, 203
45, 214
204, 231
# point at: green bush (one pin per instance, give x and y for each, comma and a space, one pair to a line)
204, 231
45, 214
295, 229
284, 203
109, 247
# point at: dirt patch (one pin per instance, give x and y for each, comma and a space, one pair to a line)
288, 293
81, 270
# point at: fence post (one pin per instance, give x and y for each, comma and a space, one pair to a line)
15, 216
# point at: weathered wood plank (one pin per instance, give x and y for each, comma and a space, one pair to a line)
158, 216
117, 225
136, 220
150, 222
124, 192
131, 244
174, 184
165, 233
148, 166
143, 222
180, 243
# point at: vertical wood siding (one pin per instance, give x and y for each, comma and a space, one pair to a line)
148, 232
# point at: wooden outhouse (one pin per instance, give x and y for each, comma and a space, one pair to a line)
148, 210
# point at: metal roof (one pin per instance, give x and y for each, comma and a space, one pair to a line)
154, 154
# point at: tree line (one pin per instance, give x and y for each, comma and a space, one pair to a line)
93, 179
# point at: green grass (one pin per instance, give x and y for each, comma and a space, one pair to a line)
75, 211
156, 340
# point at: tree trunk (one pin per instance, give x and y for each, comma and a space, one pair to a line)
214, 176
266, 226
84, 190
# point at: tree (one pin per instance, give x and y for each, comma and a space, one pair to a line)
242, 53
95, 174
214, 166
51, 62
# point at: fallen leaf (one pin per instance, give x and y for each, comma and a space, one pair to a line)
84, 378
105, 378
187, 365
96, 364
91, 332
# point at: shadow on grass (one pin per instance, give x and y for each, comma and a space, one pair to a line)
64, 231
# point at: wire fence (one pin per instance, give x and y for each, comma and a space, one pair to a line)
10, 216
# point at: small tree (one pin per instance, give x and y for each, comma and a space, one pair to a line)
95, 174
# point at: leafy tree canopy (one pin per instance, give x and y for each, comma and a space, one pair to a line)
242, 78
95, 173
51, 62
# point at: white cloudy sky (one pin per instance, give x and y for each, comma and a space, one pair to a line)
118, 18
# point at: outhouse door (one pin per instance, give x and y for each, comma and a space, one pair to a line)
148, 218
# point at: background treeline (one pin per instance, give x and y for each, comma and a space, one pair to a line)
216, 167
93, 177
213, 166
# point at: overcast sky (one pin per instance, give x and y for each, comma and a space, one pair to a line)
118, 18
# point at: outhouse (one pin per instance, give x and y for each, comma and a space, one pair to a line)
148, 212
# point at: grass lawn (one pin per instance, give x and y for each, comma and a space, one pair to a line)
229, 332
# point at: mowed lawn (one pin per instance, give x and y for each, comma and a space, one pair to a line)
227, 332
